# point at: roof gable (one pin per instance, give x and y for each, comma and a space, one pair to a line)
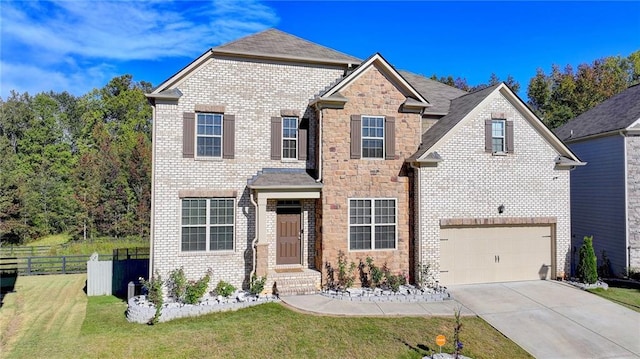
466, 107
269, 44
279, 44
379, 62
619, 112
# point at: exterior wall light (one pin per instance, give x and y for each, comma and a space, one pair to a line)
501, 208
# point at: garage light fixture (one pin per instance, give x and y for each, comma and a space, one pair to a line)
501, 208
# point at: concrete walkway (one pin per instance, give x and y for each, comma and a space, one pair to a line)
555, 320
319, 304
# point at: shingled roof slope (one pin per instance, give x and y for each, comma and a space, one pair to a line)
616, 113
438, 94
273, 42
460, 107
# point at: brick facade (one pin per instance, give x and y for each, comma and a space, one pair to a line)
253, 91
470, 184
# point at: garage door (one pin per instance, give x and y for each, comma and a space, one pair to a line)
494, 254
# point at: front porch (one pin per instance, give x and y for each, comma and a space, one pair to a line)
285, 203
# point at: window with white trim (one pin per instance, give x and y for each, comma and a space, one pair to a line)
498, 137
372, 137
209, 135
207, 224
290, 137
372, 224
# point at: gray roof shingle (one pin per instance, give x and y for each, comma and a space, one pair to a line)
616, 113
273, 42
438, 94
460, 107
283, 178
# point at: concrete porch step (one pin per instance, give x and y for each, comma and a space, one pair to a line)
292, 282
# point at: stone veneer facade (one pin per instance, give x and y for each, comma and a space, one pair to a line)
343, 178
467, 187
253, 91
633, 199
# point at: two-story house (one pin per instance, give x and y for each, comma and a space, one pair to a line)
272, 154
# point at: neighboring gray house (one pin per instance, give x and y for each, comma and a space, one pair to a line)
605, 195
274, 155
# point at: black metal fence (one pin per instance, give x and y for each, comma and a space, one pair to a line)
36, 265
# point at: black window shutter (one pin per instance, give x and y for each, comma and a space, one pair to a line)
488, 144
390, 138
356, 136
228, 136
188, 134
276, 138
509, 137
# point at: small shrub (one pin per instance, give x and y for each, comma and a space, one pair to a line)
364, 276
346, 278
604, 269
587, 266
177, 284
194, 290
154, 294
225, 289
376, 274
456, 333
257, 285
394, 282
331, 280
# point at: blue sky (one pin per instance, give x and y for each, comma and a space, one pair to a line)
76, 46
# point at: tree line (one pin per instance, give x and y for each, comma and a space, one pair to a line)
566, 93
78, 165
82, 165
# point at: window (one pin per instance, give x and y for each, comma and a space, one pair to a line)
207, 224
290, 137
498, 136
209, 135
372, 224
372, 137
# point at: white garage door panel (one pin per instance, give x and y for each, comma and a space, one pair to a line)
493, 254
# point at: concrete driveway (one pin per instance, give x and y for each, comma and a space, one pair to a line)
554, 320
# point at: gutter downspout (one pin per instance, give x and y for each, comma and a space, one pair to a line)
418, 238
319, 179
153, 176
255, 239
626, 204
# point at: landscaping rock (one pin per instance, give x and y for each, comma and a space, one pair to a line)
141, 311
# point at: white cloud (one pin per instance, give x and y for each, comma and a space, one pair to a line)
55, 39
34, 79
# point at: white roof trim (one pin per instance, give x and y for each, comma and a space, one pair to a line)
634, 124
376, 59
171, 81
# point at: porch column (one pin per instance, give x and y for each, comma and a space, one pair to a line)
262, 245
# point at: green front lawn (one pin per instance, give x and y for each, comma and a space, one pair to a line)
628, 297
35, 324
